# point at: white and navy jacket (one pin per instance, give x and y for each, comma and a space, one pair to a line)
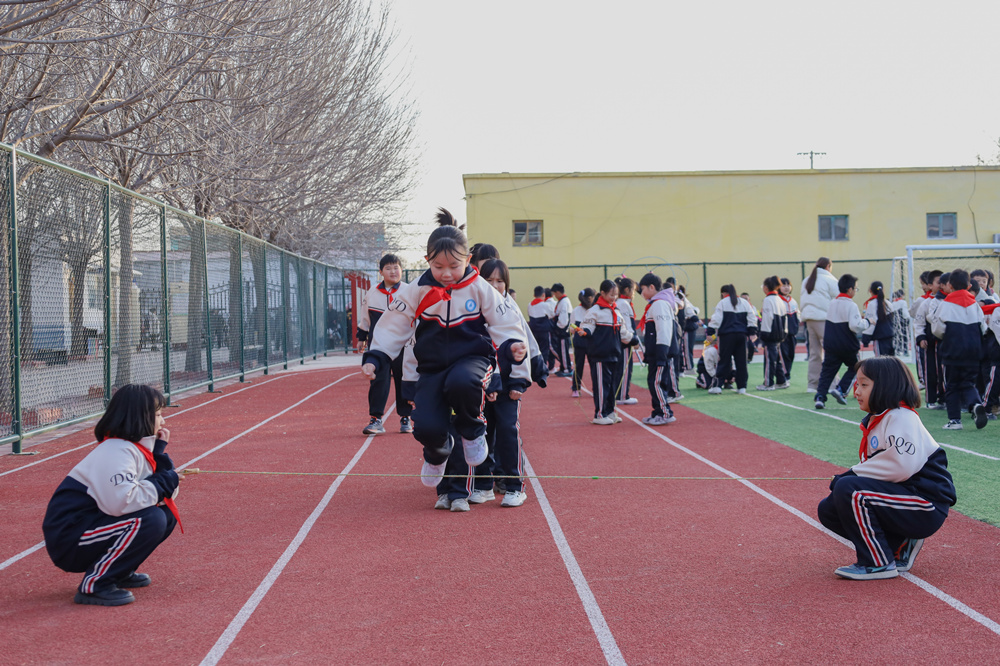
792, 324
773, 318
114, 479
991, 340
843, 323
729, 318
447, 324
926, 312
897, 448
658, 330
540, 312
373, 304
607, 331
875, 330
561, 317
984, 298
959, 323
579, 314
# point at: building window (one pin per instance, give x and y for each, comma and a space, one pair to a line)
527, 233
833, 227
942, 225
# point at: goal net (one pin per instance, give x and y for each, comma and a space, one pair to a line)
905, 280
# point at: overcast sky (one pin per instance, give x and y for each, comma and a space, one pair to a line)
643, 85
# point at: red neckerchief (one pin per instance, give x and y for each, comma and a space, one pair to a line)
387, 292
614, 311
961, 297
787, 299
928, 294
872, 422
537, 301
988, 309
168, 501
869, 301
843, 296
642, 322
438, 294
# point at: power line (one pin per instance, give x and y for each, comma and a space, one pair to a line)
811, 153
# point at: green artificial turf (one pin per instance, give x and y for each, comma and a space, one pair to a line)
976, 478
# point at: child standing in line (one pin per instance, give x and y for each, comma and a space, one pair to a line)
689, 324
376, 301
878, 311
626, 290
735, 320
540, 322
991, 360
561, 319
752, 340
606, 331
788, 344
117, 505
920, 355
959, 323
586, 298
456, 314
897, 496
840, 342
933, 375
773, 330
657, 326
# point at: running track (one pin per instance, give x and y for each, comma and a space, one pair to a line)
312, 569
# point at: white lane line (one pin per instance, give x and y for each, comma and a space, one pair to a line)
232, 631
974, 615
818, 412
38, 546
600, 626
39, 462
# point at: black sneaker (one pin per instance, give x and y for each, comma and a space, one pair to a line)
979, 412
135, 579
405, 424
111, 596
374, 427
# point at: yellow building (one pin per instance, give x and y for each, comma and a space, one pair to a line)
709, 228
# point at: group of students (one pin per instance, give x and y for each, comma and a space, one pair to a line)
957, 328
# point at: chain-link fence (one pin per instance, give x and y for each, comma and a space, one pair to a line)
107, 287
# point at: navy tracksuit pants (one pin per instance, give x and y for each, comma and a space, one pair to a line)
774, 365
503, 435
960, 391
623, 374
462, 388
602, 374
787, 348
378, 390
660, 382
732, 350
933, 373
580, 358
832, 360
110, 547
878, 516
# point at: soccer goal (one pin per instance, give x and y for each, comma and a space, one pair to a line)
905, 280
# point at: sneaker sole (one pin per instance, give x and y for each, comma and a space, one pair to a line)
981, 419
880, 575
89, 600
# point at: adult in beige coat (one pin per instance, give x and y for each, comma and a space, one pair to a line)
817, 291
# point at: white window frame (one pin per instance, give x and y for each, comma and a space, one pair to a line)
832, 222
938, 220
532, 228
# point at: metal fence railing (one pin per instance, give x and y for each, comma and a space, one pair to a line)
107, 287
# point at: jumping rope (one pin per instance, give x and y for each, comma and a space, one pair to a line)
195, 470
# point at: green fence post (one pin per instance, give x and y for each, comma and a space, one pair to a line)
107, 292
315, 311
802, 266
208, 309
15, 305
303, 309
605, 271
165, 302
267, 315
285, 307
347, 320
243, 345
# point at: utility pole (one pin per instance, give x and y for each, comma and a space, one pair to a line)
811, 153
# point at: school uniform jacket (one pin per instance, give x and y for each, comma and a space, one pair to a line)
875, 330
926, 311
375, 302
658, 333
729, 318
607, 331
773, 318
114, 479
447, 324
897, 448
561, 317
579, 314
793, 315
959, 323
991, 340
984, 298
843, 323
540, 313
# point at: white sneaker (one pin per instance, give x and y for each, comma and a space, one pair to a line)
810, 389
676, 398
615, 416
628, 401
514, 498
431, 475
952, 425
459, 505
481, 496
659, 420
603, 420
742, 391
715, 390
764, 387
476, 450
783, 386
443, 503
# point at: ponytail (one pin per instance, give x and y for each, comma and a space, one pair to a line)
810, 284
448, 237
730, 291
876, 289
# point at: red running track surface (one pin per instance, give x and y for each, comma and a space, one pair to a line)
680, 570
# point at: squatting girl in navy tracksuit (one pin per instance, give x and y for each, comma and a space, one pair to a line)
900, 492
452, 314
735, 320
116, 506
607, 331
